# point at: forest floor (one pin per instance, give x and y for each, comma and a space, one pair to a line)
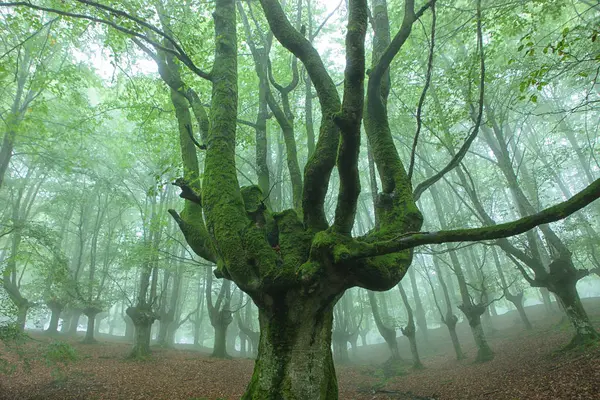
528, 365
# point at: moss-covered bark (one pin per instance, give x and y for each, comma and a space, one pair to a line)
294, 355
143, 318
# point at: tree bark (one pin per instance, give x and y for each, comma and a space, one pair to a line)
419, 311
294, 354
562, 281
74, 322
449, 319
340, 347
221, 323
473, 312
388, 334
517, 300
22, 316
90, 313
142, 318
409, 330
56, 308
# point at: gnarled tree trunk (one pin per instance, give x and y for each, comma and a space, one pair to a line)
294, 354
143, 318
90, 313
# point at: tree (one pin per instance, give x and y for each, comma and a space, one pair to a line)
296, 283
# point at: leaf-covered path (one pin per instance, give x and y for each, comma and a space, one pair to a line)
527, 366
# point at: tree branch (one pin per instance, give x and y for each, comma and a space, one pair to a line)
179, 52
471, 137
411, 240
350, 117
318, 169
423, 93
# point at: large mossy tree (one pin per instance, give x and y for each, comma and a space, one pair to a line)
296, 286
296, 264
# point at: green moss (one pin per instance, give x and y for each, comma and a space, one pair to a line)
294, 240
253, 197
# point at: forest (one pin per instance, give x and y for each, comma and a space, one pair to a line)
299, 199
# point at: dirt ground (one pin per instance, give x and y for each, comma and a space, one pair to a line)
528, 365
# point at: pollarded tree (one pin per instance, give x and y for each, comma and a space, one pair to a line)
297, 284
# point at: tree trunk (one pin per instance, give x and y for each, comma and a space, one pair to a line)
354, 345
170, 339
450, 322
547, 300
294, 355
419, 310
584, 331
473, 314
74, 322
230, 336
197, 327
414, 350
220, 346
388, 334
91, 313
340, 347
129, 328
517, 300
166, 319
142, 319
409, 330
99, 318
243, 339
22, 316
56, 309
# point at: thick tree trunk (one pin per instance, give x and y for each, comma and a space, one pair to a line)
74, 322
142, 321
166, 319
56, 309
91, 313
99, 318
547, 300
584, 330
89, 331
340, 347
230, 336
517, 300
22, 316
129, 328
414, 351
473, 314
170, 339
220, 346
294, 355
243, 339
363, 339
450, 322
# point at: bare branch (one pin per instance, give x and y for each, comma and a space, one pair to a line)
179, 52
471, 137
423, 93
522, 225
